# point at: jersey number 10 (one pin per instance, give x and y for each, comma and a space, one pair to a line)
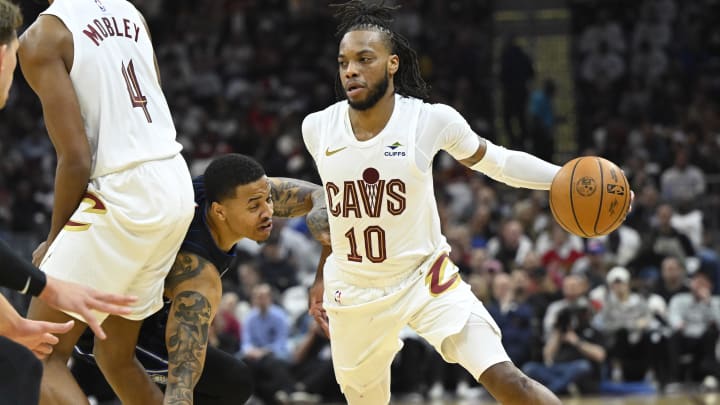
133, 87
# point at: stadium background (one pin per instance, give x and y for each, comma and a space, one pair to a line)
636, 82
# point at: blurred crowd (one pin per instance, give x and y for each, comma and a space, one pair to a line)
637, 310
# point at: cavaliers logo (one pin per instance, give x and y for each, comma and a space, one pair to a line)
586, 186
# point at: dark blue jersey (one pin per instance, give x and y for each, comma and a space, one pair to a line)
151, 350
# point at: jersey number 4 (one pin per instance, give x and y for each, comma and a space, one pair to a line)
136, 97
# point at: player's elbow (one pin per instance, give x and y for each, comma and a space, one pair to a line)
78, 164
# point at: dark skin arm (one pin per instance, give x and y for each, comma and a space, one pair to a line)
315, 296
195, 288
45, 55
293, 198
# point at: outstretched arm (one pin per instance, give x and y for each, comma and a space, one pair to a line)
194, 286
514, 168
292, 197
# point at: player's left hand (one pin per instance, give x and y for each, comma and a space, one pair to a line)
39, 336
83, 300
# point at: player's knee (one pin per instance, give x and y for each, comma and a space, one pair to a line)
110, 357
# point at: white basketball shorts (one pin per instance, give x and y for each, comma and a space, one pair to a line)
125, 234
365, 323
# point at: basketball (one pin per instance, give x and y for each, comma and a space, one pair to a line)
589, 196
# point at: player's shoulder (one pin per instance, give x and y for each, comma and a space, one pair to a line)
440, 113
328, 114
43, 41
440, 110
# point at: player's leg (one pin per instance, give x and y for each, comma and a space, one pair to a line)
377, 394
456, 323
365, 325
492, 366
58, 385
225, 380
115, 356
20, 373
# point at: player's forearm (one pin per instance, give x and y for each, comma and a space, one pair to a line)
514, 168
326, 251
9, 317
317, 218
186, 339
292, 197
194, 286
71, 180
19, 274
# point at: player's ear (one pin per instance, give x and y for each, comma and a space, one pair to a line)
218, 210
393, 64
3, 50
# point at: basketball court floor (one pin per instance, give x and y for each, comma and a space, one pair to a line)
683, 399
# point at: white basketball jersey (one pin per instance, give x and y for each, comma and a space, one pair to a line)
383, 215
126, 116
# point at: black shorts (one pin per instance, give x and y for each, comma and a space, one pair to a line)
225, 380
20, 374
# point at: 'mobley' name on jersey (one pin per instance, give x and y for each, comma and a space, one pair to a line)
101, 28
361, 198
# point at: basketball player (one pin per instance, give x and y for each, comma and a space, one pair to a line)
123, 193
234, 200
389, 266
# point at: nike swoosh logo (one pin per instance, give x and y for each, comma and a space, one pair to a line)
329, 152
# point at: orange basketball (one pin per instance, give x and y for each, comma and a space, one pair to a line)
589, 196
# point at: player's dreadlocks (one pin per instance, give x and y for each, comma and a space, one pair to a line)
358, 15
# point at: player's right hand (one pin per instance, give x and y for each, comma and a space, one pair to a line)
83, 300
316, 306
39, 336
39, 253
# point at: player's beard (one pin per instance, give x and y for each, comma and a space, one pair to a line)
374, 95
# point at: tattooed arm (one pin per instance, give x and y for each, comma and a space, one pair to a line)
194, 286
292, 198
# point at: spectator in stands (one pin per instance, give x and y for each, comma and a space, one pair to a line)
649, 63
513, 317
604, 30
265, 347
673, 278
663, 240
602, 68
516, 72
594, 265
682, 183
276, 266
543, 120
558, 249
573, 353
627, 323
574, 291
511, 246
226, 327
694, 317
